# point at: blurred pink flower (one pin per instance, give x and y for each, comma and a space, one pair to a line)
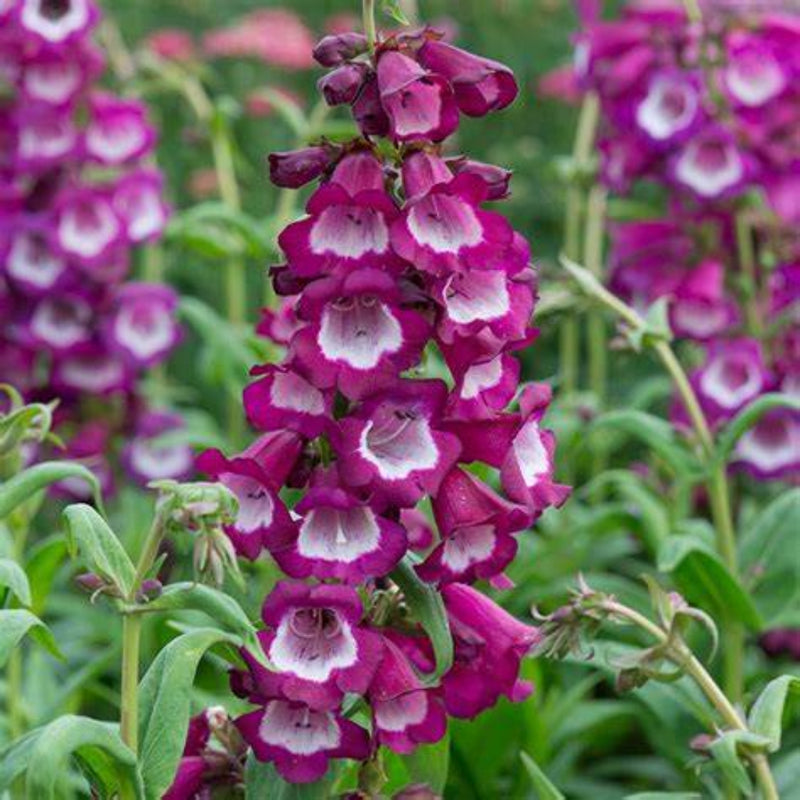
274, 35
258, 103
172, 44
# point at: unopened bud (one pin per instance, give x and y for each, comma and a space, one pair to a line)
333, 50
149, 590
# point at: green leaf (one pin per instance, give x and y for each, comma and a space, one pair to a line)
13, 577
663, 796
15, 624
770, 560
766, 715
15, 757
654, 432
393, 10
748, 417
21, 487
262, 782
88, 741
725, 751
44, 561
430, 763
165, 695
702, 578
542, 785
426, 604
102, 551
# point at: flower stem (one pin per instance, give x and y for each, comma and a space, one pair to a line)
129, 709
681, 656
569, 346
368, 15
747, 263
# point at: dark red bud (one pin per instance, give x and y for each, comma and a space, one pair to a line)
149, 590
496, 178
295, 168
338, 48
90, 582
341, 86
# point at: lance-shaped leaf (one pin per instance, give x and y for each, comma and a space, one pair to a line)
22, 487
725, 751
542, 785
14, 759
15, 624
44, 560
95, 745
426, 605
102, 551
766, 715
165, 705
13, 577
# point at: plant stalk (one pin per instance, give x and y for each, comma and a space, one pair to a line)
747, 262
368, 15
129, 709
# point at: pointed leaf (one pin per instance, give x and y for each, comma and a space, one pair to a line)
15, 757
13, 577
766, 715
426, 604
165, 695
15, 624
44, 561
21, 487
102, 551
542, 785
85, 739
430, 763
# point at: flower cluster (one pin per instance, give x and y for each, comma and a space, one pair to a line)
75, 198
397, 273
707, 112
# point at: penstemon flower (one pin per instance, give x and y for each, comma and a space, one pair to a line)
397, 258
76, 198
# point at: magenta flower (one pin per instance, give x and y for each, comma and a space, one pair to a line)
56, 23
139, 202
420, 105
340, 537
701, 309
710, 165
296, 168
480, 84
146, 459
756, 72
393, 445
771, 448
405, 714
88, 228
255, 477
671, 107
117, 131
301, 741
489, 644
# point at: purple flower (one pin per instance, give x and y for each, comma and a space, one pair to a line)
139, 202
342, 85
347, 227
475, 525
480, 84
55, 77
710, 165
363, 337
45, 138
496, 178
755, 73
733, 375
146, 458
88, 228
301, 741
340, 537
489, 646
392, 445
781, 641
296, 168
671, 107
285, 399
61, 323
420, 105
405, 714
446, 231
367, 109
56, 21
31, 262
317, 648
142, 326
92, 370
255, 476
771, 448
117, 131
701, 310
333, 50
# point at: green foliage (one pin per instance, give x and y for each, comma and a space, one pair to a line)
17, 623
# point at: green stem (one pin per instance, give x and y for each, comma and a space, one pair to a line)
683, 657
129, 707
747, 262
368, 15
573, 211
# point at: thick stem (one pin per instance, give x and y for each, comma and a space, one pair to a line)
368, 15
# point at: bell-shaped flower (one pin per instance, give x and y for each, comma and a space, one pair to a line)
45, 137
56, 21
255, 477
142, 325
30, 261
367, 109
139, 201
392, 444
62, 323
348, 223
700, 309
671, 107
342, 85
480, 84
710, 164
755, 72
117, 131
88, 227
295, 168
404, 713
340, 537
149, 455
361, 337
446, 231
489, 646
475, 526
497, 179
420, 105
771, 448
55, 78
300, 741
283, 398
92, 370
335, 49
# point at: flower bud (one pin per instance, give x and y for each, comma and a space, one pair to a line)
149, 590
331, 51
295, 168
496, 178
342, 84
196, 505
